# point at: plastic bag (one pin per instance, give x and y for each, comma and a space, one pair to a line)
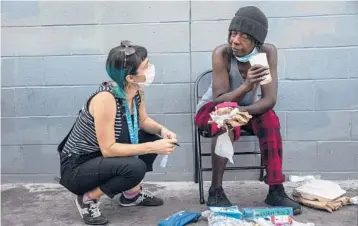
321, 190
224, 147
294, 178
221, 220
230, 211
180, 218
330, 206
267, 222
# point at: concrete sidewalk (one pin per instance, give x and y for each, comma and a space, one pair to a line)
50, 204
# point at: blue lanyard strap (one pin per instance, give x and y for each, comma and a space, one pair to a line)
132, 125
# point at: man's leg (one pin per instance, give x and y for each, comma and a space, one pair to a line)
217, 196
267, 128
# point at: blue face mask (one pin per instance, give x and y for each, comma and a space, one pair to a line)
246, 58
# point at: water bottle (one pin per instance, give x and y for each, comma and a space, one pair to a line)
164, 161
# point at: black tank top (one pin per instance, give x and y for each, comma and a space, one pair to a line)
83, 141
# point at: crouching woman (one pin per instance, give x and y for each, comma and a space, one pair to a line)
114, 142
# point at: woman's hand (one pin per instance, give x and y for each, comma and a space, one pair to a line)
167, 134
164, 146
255, 75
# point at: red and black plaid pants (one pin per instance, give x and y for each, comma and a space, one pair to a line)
265, 126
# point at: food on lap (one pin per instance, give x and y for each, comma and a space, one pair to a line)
226, 115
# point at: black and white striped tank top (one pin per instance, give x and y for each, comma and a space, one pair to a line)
82, 140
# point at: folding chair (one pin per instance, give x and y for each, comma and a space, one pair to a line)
201, 85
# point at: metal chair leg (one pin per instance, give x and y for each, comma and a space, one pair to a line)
196, 160
200, 172
201, 187
261, 170
196, 176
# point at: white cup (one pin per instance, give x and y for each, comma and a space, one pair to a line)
261, 59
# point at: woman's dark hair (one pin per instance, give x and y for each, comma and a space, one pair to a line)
256, 43
124, 60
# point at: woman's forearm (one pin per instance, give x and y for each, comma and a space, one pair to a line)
123, 150
151, 126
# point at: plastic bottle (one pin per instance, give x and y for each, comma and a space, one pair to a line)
164, 161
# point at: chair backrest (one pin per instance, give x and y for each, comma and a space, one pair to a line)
201, 84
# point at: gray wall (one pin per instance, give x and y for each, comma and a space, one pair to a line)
53, 56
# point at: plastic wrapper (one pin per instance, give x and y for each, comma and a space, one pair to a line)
321, 190
180, 218
231, 211
330, 206
224, 147
222, 220
294, 178
251, 213
322, 194
267, 222
227, 116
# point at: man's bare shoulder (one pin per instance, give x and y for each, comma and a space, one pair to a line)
269, 48
221, 51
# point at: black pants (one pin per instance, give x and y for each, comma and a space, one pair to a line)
112, 175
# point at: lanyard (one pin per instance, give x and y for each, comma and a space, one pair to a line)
132, 125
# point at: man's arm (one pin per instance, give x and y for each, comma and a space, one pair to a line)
269, 91
220, 80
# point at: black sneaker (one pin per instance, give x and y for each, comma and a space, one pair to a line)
144, 198
278, 197
90, 212
217, 197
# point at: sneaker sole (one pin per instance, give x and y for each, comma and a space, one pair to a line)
78, 208
139, 204
297, 212
128, 205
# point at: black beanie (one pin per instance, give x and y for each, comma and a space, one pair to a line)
252, 21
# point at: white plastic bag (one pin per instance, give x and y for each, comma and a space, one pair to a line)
266, 222
221, 220
321, 190
224, 147
294, 178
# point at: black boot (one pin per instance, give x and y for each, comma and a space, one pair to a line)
278, 197
217, 197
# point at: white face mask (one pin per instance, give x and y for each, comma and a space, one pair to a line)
149, 76
246, 58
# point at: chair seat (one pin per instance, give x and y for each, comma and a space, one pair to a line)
246, 133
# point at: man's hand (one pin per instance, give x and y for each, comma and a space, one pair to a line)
239, 119
255, 75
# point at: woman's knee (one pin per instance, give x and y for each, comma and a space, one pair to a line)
138, 168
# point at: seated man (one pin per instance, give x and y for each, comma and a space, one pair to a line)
235, 80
